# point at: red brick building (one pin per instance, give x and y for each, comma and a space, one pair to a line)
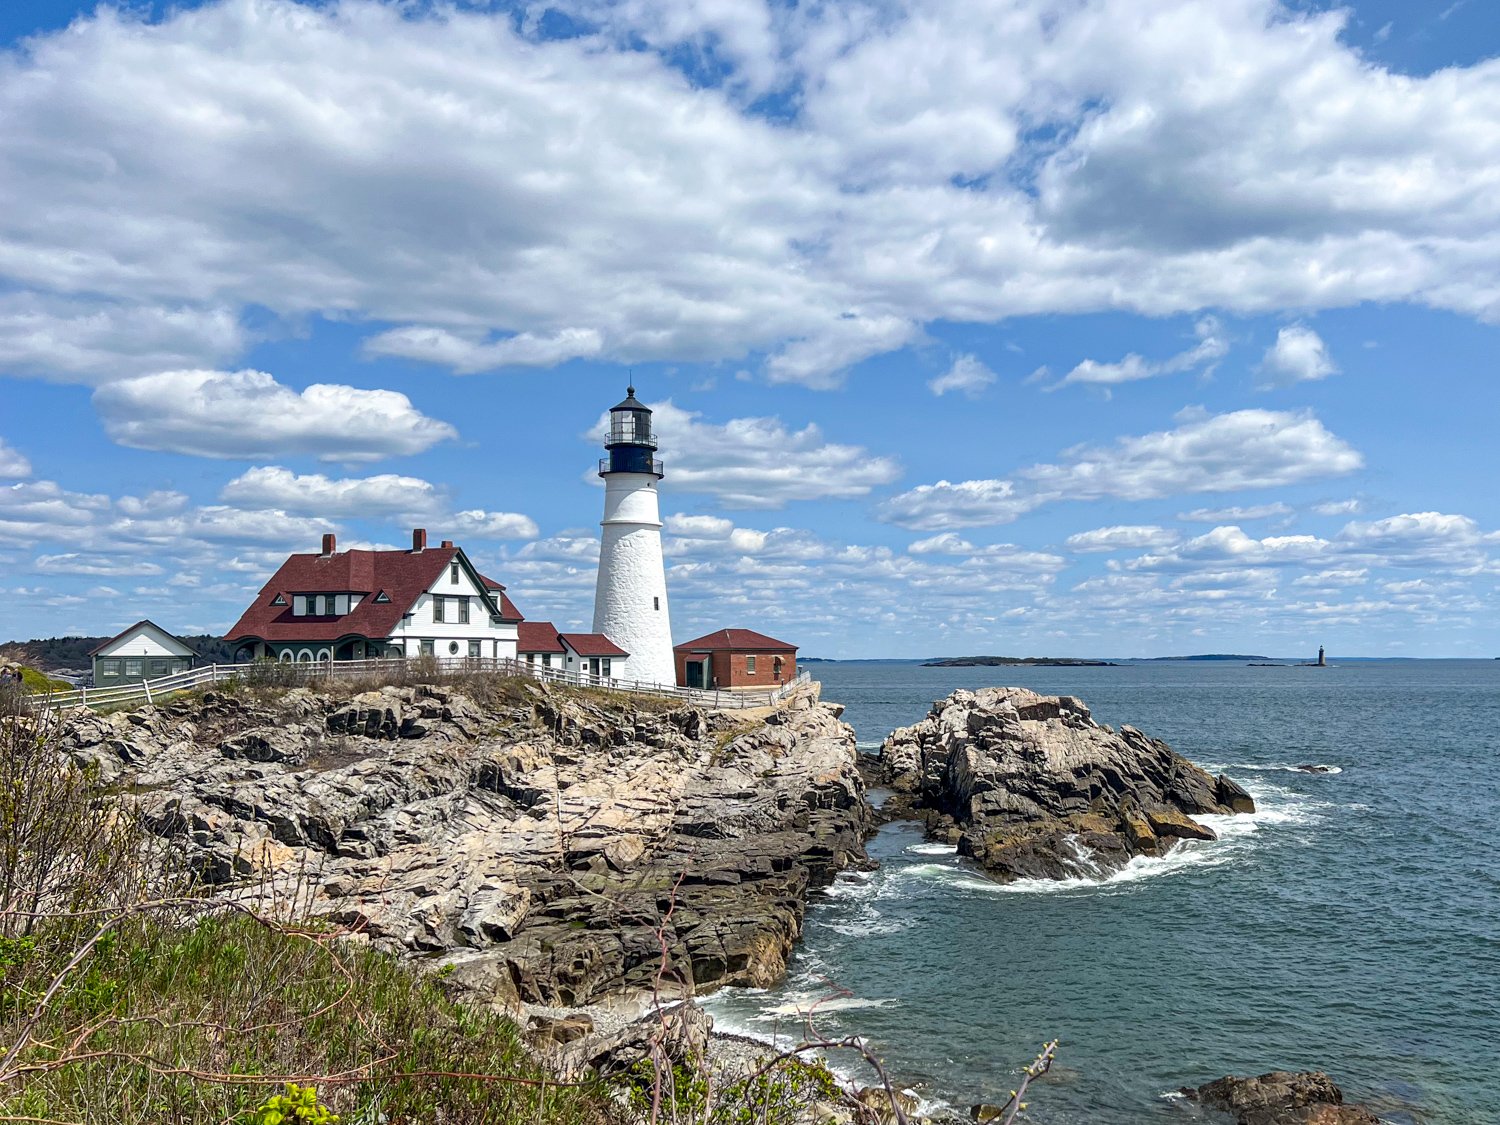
735, 659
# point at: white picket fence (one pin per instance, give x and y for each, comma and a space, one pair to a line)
396, 671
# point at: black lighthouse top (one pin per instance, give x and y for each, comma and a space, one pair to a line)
630, 442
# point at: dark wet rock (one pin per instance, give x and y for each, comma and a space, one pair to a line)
545, 848
1282, 1098
1030, 786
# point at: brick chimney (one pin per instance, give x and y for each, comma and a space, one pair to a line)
448, 543
418, 539
329, 543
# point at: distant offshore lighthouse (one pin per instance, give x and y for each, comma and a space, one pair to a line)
630, 597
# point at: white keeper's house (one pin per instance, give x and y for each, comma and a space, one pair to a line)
361, 605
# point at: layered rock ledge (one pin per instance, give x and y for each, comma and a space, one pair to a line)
1282, 1098
543, 844
1030, 786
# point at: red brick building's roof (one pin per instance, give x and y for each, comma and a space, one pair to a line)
738, 640
538, 636
401, 576
592, 644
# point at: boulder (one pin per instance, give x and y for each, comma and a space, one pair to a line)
1033, 787
1282, 1098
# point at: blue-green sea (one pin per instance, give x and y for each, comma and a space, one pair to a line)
1351, 925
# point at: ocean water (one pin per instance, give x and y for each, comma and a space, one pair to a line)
1351, 925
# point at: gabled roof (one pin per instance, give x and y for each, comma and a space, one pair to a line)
592, 644
740, 640
402, 575
538, 636
171, 640
508, 610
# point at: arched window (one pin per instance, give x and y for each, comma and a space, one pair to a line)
325, 656
305, 656
286, 656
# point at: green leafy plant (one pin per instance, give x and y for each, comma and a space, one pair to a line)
298, 1104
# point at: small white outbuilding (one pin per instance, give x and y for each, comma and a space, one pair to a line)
142, 652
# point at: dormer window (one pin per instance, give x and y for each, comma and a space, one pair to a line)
279, 599
382, 598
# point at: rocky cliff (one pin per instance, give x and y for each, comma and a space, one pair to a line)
544, 843
1031, 786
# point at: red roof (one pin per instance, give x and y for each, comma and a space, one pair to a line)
508, 610
739, 640
402, 576
592, 644
538, 636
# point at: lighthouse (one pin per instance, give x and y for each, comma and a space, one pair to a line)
630, 599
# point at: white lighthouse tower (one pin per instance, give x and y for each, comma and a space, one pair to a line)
630, 600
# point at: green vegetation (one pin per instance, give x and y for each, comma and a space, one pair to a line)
127, 996
182, 1020
778, 1095
36, 681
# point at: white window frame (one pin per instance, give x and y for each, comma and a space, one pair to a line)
439, 609
299, 605
463, 610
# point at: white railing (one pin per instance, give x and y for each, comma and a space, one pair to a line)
393, 671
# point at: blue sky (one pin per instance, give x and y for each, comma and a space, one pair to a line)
1020, 326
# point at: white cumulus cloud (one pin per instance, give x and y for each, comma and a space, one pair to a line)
248, 414
1244, 449
1299, 355
13, 465
967, 375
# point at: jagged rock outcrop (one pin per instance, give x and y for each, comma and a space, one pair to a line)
1031, 786
534, 841
1282, 1098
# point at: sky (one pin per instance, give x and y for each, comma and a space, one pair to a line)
1027, 327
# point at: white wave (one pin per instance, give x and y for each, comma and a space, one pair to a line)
867, 745
799, 1005
1320, 769
932, 849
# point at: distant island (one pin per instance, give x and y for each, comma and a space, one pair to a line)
1209, 656
1002, 661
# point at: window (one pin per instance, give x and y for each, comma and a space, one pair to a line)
452, 648
473, 650
463, 611
133, 666
429, 648
279, 599
546, 660
655, 603
341, 604
531, 658
382, 598
439, 606
109, 667
160, 667
749, 665
320, 601
453, 573
299, 605
606, 666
